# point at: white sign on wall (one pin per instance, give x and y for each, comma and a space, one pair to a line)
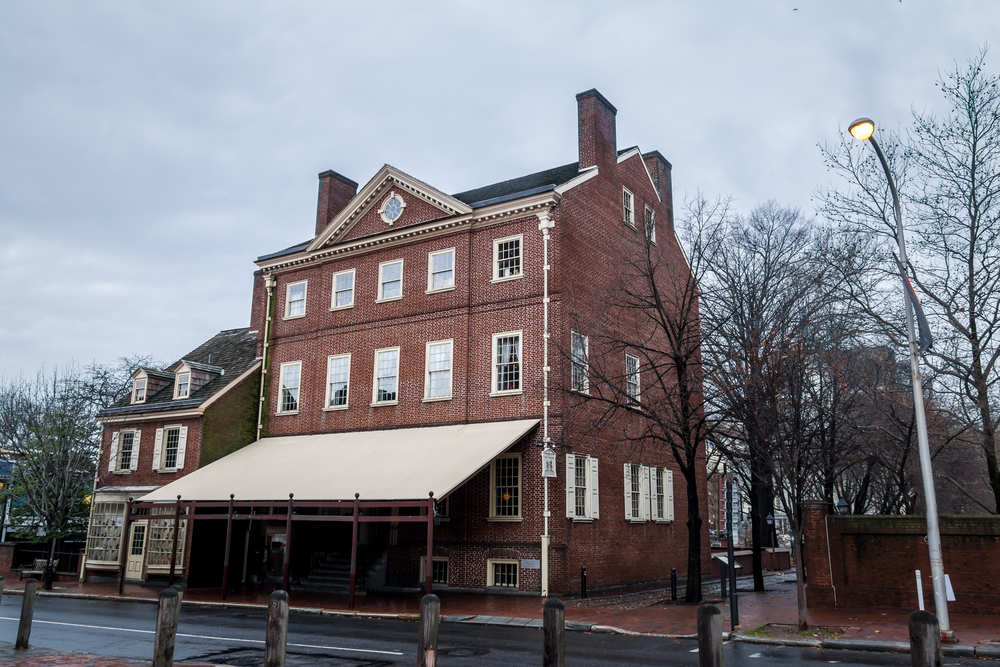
548, 462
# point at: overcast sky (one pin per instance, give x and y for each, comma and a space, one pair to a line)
149, 152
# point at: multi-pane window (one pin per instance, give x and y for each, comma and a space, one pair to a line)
503, 573
183, 385
628, 207
507, 362
295, 299
507, 257
343, 289
140, 391
390, 281
173, 438
582, 495
138, 539
580, 484
578, 358
635, 491
386, 375
650, 225
632, 377
506, 483
291, 377
338, 375
126, 443
438, 378
439, 570
104, 536
441, 270
660, 496
161, 538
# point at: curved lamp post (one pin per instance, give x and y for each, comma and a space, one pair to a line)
863, 129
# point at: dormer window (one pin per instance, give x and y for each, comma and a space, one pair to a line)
139, 391
183, 385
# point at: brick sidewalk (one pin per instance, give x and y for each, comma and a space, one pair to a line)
46, 657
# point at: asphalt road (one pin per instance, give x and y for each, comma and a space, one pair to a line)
235, 637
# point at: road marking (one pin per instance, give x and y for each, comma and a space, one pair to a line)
757, 655
693, 650
222, 639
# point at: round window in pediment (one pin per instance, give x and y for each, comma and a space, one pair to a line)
392, 208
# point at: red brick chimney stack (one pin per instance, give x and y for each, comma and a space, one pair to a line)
659, 169
334, 193
598, 140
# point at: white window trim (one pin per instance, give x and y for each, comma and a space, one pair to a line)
496, 259
380, 298
333, 290
507, 561
641, 472
375, 403
435, 559
668, 495
634, 400
135, 389
592, 510
160, 448
177, 385
327, 407
427, 371
430, 273
116, 452
520, 490
493, 364
305, 299
281, 382
650, 223
628, 213
586, 363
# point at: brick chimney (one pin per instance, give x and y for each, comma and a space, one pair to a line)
598, 140
334, 193
659, 169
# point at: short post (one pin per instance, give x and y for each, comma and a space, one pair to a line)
554, 629
427, 642
166, 628
583, 582
673, 583
920, 592
724, 580
925, 640
180, 594
27, 611
709, 636
277, 629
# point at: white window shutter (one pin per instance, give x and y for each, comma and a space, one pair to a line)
669, 482
628, 491
644, 471
157, 448
570, 486
134, 464
182, 442
114, 452
594, 513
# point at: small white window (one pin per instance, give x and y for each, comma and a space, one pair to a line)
390, 280
295, 300
581, 487
628, 208
501, 572
507, 363
505, 488
291, 378
650, 225
338, 378
579, 363
169, 447
343, 290
663, 494
124, 451
183, 385
636, 492
437, 374
508, 258
139, 391
632, 378
386, 389
439, 570
441, 270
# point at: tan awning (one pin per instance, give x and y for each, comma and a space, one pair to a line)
401, 464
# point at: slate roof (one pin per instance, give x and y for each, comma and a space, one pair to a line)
233, 351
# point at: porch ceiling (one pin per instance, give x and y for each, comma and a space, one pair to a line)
398, 464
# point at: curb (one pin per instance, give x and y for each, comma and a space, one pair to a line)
752, 639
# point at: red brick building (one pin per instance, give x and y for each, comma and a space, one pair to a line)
424, 343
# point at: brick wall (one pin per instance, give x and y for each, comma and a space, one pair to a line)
144, 475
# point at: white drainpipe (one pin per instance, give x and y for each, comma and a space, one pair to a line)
545, 224
269, 283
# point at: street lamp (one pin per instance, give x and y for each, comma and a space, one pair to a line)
843, 507
863, 129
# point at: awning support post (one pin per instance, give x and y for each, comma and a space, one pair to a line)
288, 542
229, 538
429, 574
173, 549
354, 551
124, 546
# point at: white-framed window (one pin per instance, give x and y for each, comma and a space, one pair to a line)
441, 270
124, 455
291, 381
169, 448
182, 386
386, 386
439, 570
338, 380
295, 299
628, 207
581, 487
139, 391
580, 367
506, 363
650, 225
390, 280
160, 539
437, 370
104, 536
501, 572
343, 290
508, 258
505, 488
632, 378
662, 496
636, 492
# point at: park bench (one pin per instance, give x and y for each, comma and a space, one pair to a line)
37, 569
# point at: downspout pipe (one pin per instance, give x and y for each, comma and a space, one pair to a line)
544, 225
269, 284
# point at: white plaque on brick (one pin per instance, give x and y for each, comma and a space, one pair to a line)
531, 564
548, 462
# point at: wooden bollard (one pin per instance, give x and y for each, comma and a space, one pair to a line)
277, 629
180, 594
554, 630
709, 636
430, 619
925, 640
27, 611
166, 628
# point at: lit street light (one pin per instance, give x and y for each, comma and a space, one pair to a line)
863, 129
